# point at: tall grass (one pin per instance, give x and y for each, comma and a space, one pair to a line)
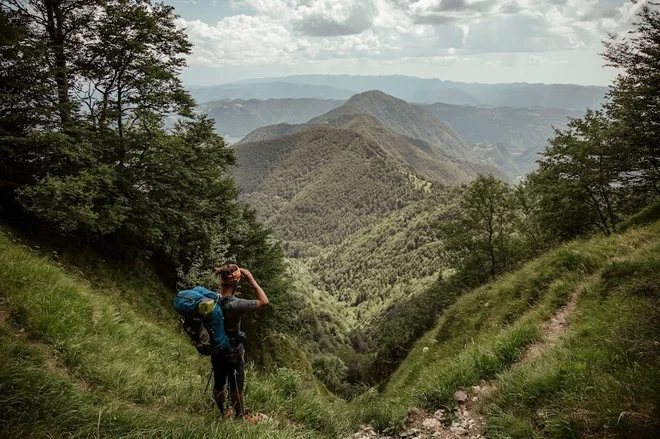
603, 380
72, 347
486, 331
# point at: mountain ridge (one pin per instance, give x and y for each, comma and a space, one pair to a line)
407, 132
267, 90
405, 119
323, 178
430, 90
239, 117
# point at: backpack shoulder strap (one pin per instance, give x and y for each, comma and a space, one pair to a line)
223, 301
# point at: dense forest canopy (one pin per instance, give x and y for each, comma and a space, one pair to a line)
88, 86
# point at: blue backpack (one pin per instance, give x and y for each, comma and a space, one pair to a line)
206, 331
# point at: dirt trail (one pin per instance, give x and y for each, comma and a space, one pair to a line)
468, 419
553, 328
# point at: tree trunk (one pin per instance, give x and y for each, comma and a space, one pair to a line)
605, 226
56, 35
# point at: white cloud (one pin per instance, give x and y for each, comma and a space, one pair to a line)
333, 17
240, 40
292, 32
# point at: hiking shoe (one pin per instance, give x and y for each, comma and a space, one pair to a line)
252, 419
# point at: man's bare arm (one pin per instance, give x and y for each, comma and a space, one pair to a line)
262, 299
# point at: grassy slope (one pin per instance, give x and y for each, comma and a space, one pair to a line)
602, 379
74, 347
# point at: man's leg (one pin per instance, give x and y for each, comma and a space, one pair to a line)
219, 380
236, 385
220, 397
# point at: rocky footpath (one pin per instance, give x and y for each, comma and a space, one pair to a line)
464, 422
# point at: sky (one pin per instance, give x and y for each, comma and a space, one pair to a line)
488, 41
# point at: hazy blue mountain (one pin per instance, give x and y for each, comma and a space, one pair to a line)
568, 96
237, 118
267, 90
506, 136
515, 127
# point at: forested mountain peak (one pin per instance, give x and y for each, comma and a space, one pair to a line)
406, 119
409, 133
323, 183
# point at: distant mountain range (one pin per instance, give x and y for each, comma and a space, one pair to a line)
412, 89
236, 118
267, 90
509, 124
355, 193
506, 136
321, 181
411, 134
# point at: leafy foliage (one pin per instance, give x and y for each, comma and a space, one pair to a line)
111, 173
632, 101
605, 165
577, 176
481, 233
27, 91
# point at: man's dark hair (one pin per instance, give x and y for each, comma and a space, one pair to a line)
229, 274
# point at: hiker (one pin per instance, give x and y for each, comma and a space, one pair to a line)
229, 365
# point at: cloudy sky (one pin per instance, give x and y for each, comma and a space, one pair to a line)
551, 41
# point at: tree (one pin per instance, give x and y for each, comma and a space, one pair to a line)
113, 173
633, 99
577, 180
130, 71
26, 92
480, 235
63, 26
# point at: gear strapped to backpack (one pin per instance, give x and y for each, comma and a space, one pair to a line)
202, 319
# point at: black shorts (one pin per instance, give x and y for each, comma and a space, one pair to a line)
228, 367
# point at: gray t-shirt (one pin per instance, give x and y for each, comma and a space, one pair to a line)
233, 309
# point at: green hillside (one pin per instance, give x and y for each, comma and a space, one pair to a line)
92, 351
99, 356
567, 346
322, 184
396, 258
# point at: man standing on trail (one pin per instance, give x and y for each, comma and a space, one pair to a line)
230, 365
